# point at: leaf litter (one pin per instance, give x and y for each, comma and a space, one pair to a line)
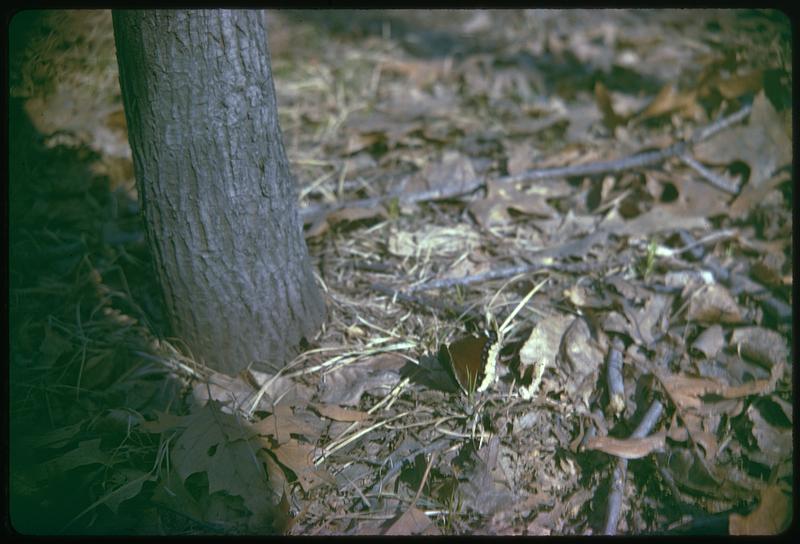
639, 160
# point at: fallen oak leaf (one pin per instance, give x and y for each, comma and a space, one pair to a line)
412, 522
605, 103
764, 346
668, 100
501, 197
713, 303
299, 458
282, 423
320, 224
224, 447
772, 515
763, 144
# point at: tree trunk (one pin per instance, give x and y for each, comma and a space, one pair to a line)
215, 187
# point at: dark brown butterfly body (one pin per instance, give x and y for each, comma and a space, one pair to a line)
472, 359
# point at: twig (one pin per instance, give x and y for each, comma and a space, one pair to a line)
718, 181
618, 478
424, 479
721, 124
695, 252
693, 243
398, 464
457, 189
495, 274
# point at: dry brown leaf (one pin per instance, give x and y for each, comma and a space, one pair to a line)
486, 489
736, 85
647, 322
585, 356
299, 458
282, 423
232, 391
413, 522
763, 346
454, 170
420, 72
751, 195
338, 413
323, 222
669, 100
762, 144
164, 422
628, 448
770, 269
541, 349
605, 104
772, 516
775, 443
433, 240
225, 448
696, 198
345, 384
501, 197
520, 157
710, 341
713, 304
663, 218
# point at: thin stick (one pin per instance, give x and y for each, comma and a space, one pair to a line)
718, 181
452, 190
424, 479
523, 302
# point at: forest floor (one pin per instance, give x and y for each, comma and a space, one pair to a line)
631, 171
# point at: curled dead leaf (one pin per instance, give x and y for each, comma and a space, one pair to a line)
710, 341
668, 100
713, 304
322, 223
541, 349
763, 346
771, 517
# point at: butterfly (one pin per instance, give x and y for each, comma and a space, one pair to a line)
473, 360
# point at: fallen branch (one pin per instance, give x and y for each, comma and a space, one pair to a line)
718, 181
458, 189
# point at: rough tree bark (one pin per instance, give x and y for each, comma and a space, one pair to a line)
215, 187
